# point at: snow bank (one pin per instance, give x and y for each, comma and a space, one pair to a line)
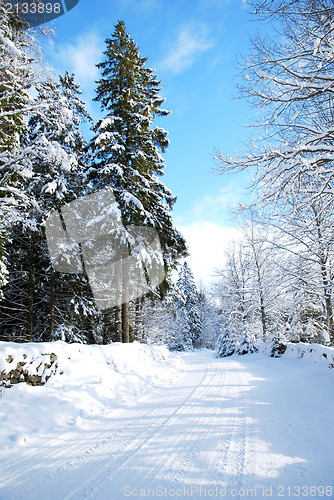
81, 382
62, 365
316, 353
313, 352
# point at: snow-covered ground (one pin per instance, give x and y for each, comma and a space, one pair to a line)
133, 421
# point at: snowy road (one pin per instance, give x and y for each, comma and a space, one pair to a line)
243, 427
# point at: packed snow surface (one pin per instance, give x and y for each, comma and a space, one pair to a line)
132, 421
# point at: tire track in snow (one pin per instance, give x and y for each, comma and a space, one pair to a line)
193, 453
69, 443
77, 444
212, 458
113, 471
125, 452
82, 449
214, 426
232, 457
136, 444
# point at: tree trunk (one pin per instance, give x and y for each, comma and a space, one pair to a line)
323, 260
261, 298
138, 326
328, 303
125, 296
108, 326
263, 318
52, 304
118, 294
125, 323
118, 324
30, 311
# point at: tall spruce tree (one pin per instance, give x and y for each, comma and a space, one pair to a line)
58, 145
192, 325
125, 151
37, 300
227, 344
17, 76
209, 318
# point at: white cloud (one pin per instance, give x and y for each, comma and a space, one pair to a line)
191, 41
80, 57
216, 207
207, 242
225, 199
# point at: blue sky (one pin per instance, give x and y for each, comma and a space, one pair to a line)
193, 46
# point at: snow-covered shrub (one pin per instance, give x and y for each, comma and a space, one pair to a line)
69, 334
247, 344
226, 345
278, 347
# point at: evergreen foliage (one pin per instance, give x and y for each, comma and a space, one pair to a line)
184, 320
226, 345
278, 347
189, 307
37, 299
277, 283
17, 77
45, 163
209, 319
247, 344
125, 151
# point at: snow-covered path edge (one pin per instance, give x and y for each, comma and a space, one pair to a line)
240, 427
